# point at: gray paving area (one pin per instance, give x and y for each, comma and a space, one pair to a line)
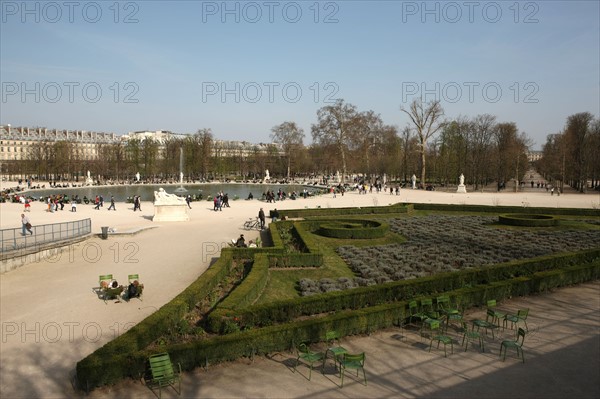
562, 360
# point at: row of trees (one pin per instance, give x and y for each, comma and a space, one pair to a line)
352, 142
572, 156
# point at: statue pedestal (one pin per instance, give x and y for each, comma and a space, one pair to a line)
461, 189
171, 213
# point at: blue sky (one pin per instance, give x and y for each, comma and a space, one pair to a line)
241, 68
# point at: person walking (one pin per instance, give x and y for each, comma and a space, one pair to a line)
188, 199
261, 217
112, 203
97, 202
25, 225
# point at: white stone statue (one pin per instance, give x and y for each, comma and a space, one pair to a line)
461, 186
338, 177
414, 181
88, 180
161, 197
137, 176
267, 176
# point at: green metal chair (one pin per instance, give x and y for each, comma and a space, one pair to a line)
516, 318
163, 373
517, 344
491, 304
353, 362
332, 338
436, 335
471, 336
487, 324
309, 357
451, 313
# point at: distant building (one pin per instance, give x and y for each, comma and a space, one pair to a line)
533, 156
16, 142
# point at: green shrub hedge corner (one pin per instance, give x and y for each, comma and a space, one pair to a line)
302, 213
529, 220
353, 229
507, 209
253, 329
108, 370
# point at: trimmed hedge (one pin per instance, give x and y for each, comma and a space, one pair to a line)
353, 229
356, 298
302, 213
507, 209
108, 370
528, 220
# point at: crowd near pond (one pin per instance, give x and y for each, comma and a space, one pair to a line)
146, 191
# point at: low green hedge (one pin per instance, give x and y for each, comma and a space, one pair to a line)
528, 220
220, 319
507, 209
102, 370
353, 229
283, 311
302, 213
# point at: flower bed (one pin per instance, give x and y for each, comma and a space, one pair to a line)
446, 243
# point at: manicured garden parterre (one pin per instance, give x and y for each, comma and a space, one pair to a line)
257, 301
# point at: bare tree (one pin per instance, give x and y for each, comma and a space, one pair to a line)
578, 134
370, 129
290, 136
426, 119
336, 125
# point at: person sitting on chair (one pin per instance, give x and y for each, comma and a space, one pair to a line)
251, 244
241, 242
135, 289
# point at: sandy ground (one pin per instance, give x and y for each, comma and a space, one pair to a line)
51, 317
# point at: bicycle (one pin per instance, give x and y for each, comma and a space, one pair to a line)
252, 223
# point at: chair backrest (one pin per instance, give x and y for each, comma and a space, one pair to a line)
132, 277
434, 325
491, 303
521, 336
355, 358
302, 348
426, 304
105, 277
443, 302
490, 315
331, 337
522, 313
413, 308
161, 366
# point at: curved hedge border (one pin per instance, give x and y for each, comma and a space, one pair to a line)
367, 308
98, 370
528, 220
302, 213
507, 209
353, 229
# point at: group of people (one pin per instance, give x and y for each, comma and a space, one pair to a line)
241, 243
220, 200
134, 290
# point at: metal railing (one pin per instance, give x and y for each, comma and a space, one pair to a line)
13, 239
